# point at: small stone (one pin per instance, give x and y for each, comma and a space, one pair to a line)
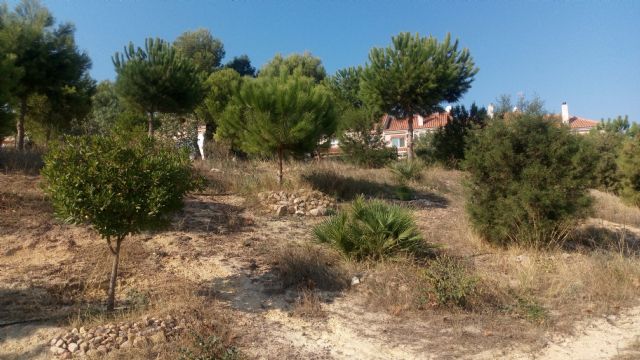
125, 345
355, 281
281, 210
140, 341
74, 331
53, 341
66, 355
158, 338
102, 349
56, 350
60, 343
300, 213
84, 347
72, 347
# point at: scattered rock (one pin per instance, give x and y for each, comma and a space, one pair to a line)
281, 210
103, 339
355, 281
301, 202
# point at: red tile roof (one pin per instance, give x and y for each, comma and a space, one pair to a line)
432, 121
576, 122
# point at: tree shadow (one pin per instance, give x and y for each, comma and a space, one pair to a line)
347, 188
205, 215
594, 238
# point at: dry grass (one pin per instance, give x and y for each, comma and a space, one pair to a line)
309, 267
518, 290
308, 304
609, 207
28, 162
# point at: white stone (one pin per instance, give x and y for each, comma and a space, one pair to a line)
72, 347
355, 280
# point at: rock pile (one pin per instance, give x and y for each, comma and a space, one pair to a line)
300, 202
100, 340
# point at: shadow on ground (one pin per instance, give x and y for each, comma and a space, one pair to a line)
348, 188
202, 214
619, 239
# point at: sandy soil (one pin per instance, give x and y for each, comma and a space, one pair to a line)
218, 249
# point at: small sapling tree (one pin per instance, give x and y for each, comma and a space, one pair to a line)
118, 185
285, 115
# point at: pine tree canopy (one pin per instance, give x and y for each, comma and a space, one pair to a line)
295, 64
416, 74
157, 79
288, 113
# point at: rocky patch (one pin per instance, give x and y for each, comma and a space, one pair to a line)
300, 203
103, 339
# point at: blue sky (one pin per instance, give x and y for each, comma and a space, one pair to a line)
584, 52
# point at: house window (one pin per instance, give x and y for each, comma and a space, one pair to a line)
397, 142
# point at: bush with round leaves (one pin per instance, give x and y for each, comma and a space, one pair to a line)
118, 185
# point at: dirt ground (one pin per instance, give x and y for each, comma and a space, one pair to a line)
219, 253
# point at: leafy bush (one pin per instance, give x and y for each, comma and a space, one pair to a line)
372, 229
119, 185
451, 281
528, 181
629, 163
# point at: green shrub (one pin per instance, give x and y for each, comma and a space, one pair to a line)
606, 146
451, 281
372, 229
407, 170
118, 185
528, 181
629, 163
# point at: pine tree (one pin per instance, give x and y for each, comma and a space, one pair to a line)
449, 142
47, 57
359, 132
295, 64
242, 65
205, 51
286, 115
157, 79
415, 75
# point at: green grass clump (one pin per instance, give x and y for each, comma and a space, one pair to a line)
372, 229
451, 282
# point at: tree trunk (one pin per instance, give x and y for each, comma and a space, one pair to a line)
20, 124
150, 123
114, 275
280, 166
410, 140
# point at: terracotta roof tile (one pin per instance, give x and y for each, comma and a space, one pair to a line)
576, 122
435, 120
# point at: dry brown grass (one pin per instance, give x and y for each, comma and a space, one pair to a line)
609, 207
308, 304
309, 267
28, 162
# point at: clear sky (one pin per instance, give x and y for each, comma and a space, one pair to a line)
584, 52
